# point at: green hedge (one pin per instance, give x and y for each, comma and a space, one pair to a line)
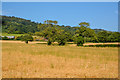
103, 45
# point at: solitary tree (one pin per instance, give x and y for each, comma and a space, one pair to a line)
50, 32
83, 34
27, 38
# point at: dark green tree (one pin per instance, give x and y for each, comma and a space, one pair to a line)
62, 37
50, 32
113, 37
79, 40
27, 38
102, 36
5, 38
49, 42
84, 34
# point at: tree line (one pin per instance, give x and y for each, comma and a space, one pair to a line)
56, 33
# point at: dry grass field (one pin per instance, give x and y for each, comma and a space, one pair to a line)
20, 60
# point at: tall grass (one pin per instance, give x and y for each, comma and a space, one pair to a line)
40, 60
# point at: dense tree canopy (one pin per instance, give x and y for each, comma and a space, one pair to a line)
27, 38
56, 33
20, 25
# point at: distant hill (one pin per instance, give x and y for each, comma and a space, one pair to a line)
15, 25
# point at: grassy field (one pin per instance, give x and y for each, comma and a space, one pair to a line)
22, 60
6, 34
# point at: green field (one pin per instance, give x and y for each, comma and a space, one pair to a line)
22, 60
6, 34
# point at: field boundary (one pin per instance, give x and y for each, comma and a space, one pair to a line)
34, 42
60, 79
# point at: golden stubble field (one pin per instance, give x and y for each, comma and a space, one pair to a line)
20, 60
